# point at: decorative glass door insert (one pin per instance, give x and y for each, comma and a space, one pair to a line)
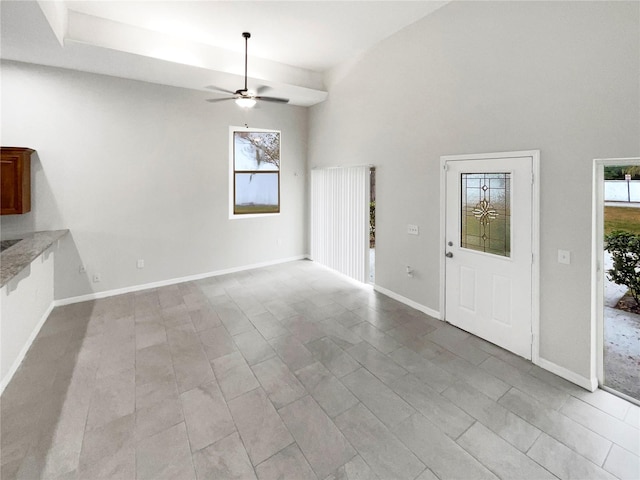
486, 212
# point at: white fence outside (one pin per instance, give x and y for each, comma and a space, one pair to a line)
622, 191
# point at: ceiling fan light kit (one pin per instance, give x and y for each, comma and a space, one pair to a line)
243, 97
245, 102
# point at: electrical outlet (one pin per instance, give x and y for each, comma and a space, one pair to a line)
564, 257
96, 278
413, 230
140, 263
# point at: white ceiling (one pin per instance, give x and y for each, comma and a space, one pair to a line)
294, 45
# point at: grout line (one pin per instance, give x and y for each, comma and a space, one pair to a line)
607, 455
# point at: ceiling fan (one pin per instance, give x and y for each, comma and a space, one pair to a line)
244, 97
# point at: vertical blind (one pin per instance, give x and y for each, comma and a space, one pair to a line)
340, 219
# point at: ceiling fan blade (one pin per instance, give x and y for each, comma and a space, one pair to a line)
273, 99
215, 100
220, 90
262, 89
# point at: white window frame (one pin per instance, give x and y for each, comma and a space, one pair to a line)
232, 215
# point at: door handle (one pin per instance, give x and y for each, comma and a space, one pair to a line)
448, 255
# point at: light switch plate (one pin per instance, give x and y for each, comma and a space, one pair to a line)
564, 257
413, 230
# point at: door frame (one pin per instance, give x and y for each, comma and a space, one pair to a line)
597, 274
535, 232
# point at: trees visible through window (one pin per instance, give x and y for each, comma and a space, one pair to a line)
256, 171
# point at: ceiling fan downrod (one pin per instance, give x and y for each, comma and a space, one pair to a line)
246, 36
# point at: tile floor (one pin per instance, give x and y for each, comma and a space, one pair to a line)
292, 372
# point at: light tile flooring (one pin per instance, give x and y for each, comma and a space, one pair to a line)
293, 372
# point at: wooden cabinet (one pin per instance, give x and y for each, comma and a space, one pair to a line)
15, 180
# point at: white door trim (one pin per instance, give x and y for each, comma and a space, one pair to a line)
535, 229
596, 368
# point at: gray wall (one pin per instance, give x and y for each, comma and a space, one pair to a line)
140, 171
479, 77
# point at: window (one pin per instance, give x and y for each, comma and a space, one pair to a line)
486, 212
255, 169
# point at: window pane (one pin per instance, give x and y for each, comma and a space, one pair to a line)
486, 212
256, 151
257, 193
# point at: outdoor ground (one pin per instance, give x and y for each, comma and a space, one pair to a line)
625, 218
622, 352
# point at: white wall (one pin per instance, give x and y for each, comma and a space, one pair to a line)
140, 171
478, 77
622, 191
25, 301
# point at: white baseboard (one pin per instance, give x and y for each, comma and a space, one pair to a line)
16, 363
171, 281
408, 301
590, 384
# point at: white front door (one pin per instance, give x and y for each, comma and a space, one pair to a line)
488, 235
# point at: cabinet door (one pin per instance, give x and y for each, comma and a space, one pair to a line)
15, 186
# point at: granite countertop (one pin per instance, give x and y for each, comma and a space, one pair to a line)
20, 255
